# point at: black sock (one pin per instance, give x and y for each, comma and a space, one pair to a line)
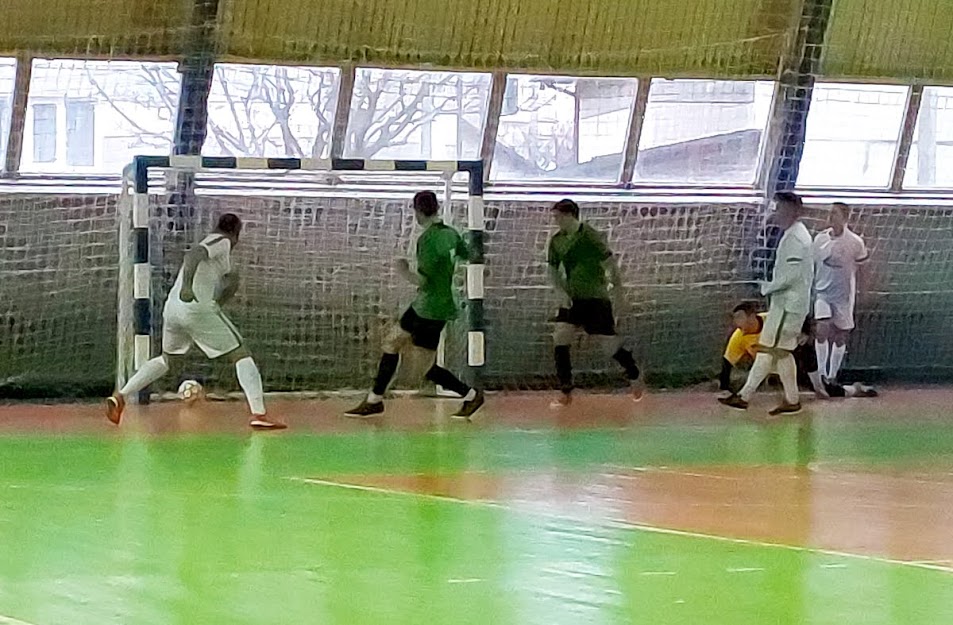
385, 373
563, 368
724, 378
624, 358
442, 377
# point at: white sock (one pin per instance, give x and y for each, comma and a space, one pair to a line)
249, 379
470, 396
787, 371
146, 375
763, 363
822, 350
816, 382
837, 358
374, 398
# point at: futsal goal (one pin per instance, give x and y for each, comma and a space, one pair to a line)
316, 259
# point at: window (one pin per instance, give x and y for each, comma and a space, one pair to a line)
852, 135
8, 70
397, 114
80, 133
271, 111
931, 154
555, 127
44, 133
703, 131
129, 105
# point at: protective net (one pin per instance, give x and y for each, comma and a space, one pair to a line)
58, 279
319, 288
319, 285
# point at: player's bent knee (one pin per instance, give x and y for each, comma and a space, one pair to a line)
395, 341
563, 334
238, 353
609, 345
171, 359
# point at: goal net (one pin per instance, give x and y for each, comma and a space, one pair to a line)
316, 259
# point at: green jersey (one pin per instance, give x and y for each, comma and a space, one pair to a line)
581, 255
438, 249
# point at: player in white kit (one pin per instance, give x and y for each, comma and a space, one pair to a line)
193, 314
789, 294
838, 253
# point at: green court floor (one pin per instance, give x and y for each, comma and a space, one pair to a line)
138, 529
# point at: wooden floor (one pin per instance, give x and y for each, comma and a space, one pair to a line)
672, 510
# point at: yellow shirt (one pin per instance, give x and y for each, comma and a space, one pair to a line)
741, 344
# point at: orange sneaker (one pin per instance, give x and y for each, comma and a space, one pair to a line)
115, 404
637, 391
261, 422
564, 399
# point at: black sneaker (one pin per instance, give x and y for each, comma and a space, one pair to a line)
734, 401
786, 408
469, 407
366, 409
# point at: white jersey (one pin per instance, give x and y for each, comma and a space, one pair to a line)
790, 288
836, 259
209, 273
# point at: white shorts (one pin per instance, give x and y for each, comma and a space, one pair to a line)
841, 314
781, 330
206, 326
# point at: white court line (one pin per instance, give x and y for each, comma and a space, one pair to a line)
623, 525
745, 569
466, 580
6, 620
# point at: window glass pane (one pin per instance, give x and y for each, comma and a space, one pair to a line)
852, 135
931, 155
8, 70
271, 111
557, 127
80, 133
703, 131
397, 114
129, 106
44, 133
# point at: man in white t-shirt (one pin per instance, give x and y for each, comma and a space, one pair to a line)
193, 314
789, 295
838, 253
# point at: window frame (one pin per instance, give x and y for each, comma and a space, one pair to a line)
761, 165
38, 145
632, 125
898, 144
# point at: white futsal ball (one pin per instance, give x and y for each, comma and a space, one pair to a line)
190, 391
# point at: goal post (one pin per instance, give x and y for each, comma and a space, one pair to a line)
296, 271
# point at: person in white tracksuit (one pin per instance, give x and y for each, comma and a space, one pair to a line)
789, 296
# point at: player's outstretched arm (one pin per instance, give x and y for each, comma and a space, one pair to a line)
191, 262
788, 277
403, 270
230, 284
558, 280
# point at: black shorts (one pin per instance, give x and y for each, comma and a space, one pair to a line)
424, 333
594, 316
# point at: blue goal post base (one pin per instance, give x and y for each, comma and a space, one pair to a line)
141, 269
